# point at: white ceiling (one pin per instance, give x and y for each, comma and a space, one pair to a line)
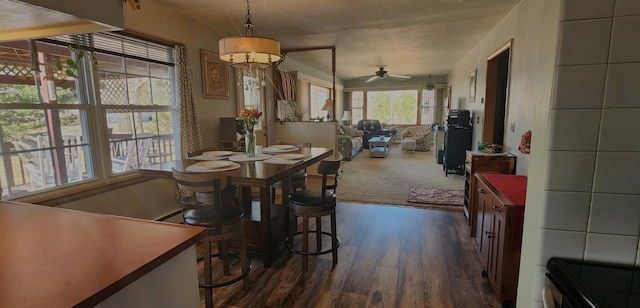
407, 37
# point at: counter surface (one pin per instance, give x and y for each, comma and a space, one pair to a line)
51, 257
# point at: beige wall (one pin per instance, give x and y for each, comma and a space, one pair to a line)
533, 26
147, 200
163, 22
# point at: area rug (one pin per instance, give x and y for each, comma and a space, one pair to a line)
436, 196
387, 180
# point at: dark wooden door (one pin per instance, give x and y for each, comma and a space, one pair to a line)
495, 109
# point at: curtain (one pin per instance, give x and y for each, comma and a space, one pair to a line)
286, 85
190, 137
285, 88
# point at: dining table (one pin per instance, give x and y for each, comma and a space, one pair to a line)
262, 236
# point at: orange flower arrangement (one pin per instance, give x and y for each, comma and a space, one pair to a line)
250, 117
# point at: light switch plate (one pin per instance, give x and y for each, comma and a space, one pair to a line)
512, 126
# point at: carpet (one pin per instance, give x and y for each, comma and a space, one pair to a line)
387, 180
436, 196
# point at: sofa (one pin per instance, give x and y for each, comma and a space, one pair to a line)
371, 128
423, 135
350, 141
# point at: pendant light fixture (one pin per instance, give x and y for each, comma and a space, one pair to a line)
249, 55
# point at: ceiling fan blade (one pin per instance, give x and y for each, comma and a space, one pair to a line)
372, 79
399, 76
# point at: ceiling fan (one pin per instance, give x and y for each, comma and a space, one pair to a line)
382, 74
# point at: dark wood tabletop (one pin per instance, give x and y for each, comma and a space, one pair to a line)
255, 174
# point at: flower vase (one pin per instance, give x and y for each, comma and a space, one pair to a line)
250, 143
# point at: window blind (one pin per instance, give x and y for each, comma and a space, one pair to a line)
118, 45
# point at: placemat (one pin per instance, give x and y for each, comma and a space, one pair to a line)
196, 168
275, 150
203, 157
245, 158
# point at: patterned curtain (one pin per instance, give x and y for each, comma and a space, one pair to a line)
190, 137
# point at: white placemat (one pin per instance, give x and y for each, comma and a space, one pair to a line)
282, 161
245, 158
196, 168
217, 153
276, 150
202, 157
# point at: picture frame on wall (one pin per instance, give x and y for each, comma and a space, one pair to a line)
472, 85
215, 76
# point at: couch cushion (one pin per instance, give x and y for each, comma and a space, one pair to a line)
351, 132
356, 142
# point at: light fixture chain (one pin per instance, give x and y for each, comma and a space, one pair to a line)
248, 25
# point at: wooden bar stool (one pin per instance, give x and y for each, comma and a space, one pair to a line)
298, 179
206, 202
316, 203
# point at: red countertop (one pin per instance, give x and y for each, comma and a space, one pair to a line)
513, 187
51, 257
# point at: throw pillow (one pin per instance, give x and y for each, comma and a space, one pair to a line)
350, 132
340, 130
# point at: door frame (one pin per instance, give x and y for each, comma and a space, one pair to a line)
491, 93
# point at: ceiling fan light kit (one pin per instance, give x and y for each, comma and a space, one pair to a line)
380, 74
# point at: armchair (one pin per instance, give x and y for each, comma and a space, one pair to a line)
423, 135
371, 128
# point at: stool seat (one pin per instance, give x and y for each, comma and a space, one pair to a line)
312, 200
228, 215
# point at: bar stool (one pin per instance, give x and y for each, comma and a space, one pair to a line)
205, 203
316, 203
298, 179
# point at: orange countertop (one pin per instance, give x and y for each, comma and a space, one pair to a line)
51, 257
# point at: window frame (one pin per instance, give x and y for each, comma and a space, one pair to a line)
95, 115
315, 106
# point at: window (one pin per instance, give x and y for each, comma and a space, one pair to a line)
357, 106
319, 96
252, 93
393, 107
398, 107
428, 106
72, 115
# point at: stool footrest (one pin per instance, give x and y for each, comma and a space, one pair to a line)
228, 282
310, 253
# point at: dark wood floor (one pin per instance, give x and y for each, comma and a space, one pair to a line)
389, 256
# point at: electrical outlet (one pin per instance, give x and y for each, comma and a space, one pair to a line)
512, 126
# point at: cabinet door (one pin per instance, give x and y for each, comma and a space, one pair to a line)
496, 252
484, 200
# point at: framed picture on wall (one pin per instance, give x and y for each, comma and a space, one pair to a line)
472, 85
214, 76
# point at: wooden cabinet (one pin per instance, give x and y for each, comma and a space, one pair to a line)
477, 162
499, 200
